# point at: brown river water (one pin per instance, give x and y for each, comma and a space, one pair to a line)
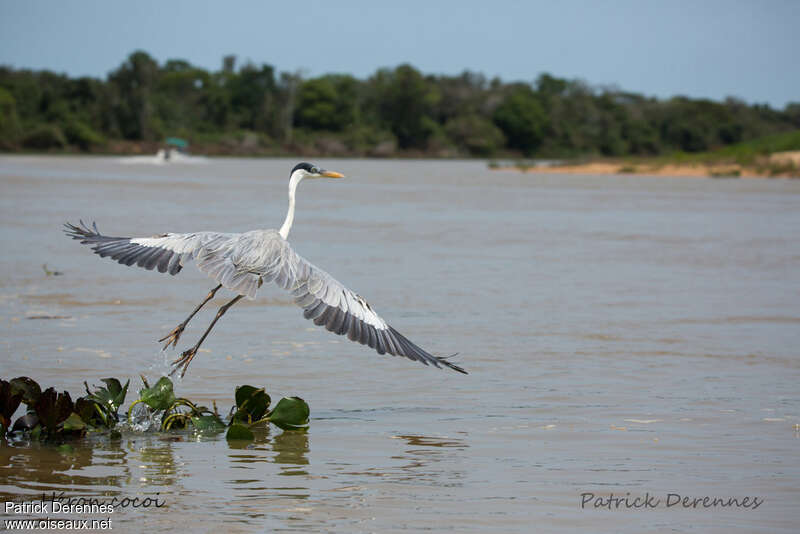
624, 335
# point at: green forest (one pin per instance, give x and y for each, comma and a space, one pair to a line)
251, 109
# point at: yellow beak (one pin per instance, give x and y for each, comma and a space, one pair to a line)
331, 174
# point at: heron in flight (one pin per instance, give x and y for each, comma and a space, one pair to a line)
243, 262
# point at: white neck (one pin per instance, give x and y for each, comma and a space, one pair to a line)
287, 223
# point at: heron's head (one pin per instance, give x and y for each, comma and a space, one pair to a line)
309, 170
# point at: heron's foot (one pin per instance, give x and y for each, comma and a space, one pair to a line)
183, 361
173, 337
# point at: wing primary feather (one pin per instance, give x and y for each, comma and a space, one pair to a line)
345, 326
152, 261
363, 338
335, 321
372, 340
323, 317
163, 261
128, 257
354, 334
391, 348
406, 350
426, 356
144, 256
381, 348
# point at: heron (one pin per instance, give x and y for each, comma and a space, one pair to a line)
243, 262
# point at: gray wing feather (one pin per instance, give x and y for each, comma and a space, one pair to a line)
219, 255
166, 252
330, 304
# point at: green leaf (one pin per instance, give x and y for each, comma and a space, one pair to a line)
239, 432
109, 398
243, 393
251, 404
87, 408
290, 414
160, 396
66, 448
28, 387
74, 423
208, 423
52, 408
114, 392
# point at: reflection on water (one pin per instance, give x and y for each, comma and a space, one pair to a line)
167, 467
291, 449
156, 461
150, 464
622, 334
93, 467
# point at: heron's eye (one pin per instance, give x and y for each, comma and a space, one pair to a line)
314, 170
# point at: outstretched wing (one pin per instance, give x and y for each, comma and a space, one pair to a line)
166, 252
240, 262
327, 302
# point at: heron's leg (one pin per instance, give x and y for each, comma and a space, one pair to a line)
187, 356
173, 336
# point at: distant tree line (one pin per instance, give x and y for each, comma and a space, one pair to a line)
253, 109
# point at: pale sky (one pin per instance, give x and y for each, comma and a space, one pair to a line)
706, 48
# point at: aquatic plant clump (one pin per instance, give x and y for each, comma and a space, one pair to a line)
54, 417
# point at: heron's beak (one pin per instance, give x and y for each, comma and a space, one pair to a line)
331, 174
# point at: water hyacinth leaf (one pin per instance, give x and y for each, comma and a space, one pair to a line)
290, 414
251, 404
208, 423
53, 408
74, 423
87, 409
239, 432
28, 387
115, 386
160, 396
112, 396
253, 400
243, 393
9, 402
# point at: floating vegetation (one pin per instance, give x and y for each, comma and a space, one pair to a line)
48, 272
54, 417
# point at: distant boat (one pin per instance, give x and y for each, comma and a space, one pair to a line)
176, 151
181, 144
